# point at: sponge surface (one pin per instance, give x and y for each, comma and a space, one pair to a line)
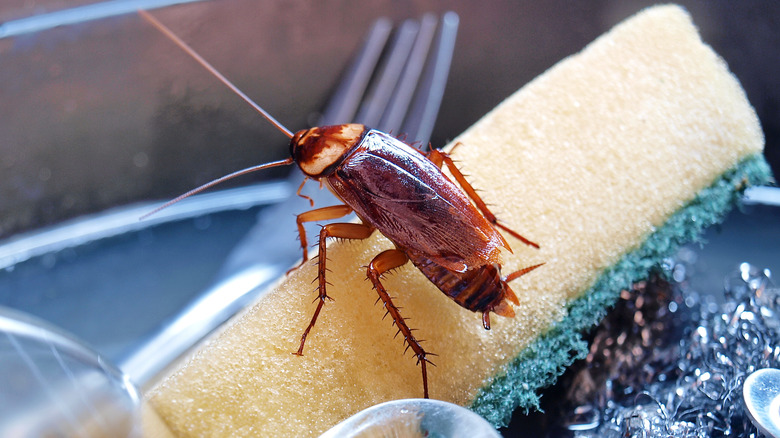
589, 160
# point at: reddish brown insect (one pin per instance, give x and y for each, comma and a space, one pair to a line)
444, 229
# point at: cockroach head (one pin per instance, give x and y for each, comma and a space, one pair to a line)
319, 150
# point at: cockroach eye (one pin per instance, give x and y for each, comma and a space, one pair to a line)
317, 150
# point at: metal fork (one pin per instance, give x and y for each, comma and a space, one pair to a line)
395, 84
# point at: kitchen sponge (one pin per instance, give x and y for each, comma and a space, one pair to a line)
609, 161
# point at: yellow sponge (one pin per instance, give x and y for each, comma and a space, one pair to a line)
604, 160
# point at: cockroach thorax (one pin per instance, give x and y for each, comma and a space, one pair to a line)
318, 150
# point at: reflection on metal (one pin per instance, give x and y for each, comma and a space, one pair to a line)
762, 195
197, 320
761, 393
58, 385
125, 219
81, 14
414, 417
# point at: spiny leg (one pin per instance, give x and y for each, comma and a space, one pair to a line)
319, 214
342, 231
439, 158
382, 263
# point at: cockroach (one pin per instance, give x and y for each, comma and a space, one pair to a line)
446, 230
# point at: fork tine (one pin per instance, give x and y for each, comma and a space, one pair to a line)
399, 104
421, 117
344, 102
389, 75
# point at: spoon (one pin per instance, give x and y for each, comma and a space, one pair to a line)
52, 384
761, 393
414, 417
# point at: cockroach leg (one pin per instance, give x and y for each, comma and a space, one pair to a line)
300, 188
319, 214
441, 158
339, 230
436, 156
382, 263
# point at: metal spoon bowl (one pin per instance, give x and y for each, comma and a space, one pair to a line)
414, 417
761, 393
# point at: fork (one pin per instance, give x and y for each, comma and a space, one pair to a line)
395, 84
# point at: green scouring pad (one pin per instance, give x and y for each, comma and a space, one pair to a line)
547, 357
610, 160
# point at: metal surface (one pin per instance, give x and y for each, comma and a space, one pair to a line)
51, 384
414, 417
761, 393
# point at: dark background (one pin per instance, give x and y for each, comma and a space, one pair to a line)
108, 112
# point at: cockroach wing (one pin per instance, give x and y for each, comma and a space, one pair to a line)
395, 188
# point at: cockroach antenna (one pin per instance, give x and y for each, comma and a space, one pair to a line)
190, 51
220, 180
